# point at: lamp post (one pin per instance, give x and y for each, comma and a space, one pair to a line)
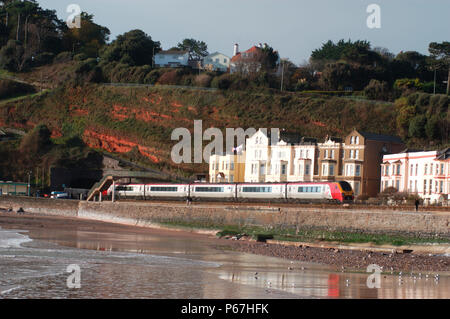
29, 185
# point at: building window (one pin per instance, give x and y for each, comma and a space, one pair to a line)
307, 154
324, 170
415, 186
283, 169
397, 185
398, 169
424, 186
387, 170
357, 154
232, 166
357, 188
417, 169
357, 140
262, 169
351, 140
326, 154
430, 186
442, 169
349, 170
307, 168
426, 169
411, 186
331, 169
358, 170
412, 170
441, 187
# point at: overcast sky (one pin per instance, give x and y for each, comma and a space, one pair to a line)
293, 27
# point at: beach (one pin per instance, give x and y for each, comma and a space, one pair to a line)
120, 261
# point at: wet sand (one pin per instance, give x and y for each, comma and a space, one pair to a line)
337, 259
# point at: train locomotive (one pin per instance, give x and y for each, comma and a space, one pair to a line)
338, 192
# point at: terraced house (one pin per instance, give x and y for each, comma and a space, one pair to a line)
426, 174
292, 158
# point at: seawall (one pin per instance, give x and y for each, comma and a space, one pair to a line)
151, 214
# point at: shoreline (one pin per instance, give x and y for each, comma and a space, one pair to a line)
348, 259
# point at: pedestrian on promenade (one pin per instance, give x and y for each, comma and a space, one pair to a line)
189, 201
417, 204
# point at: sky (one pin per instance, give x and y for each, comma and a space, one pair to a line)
293, 27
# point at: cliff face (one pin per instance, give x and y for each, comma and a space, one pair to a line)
138, 122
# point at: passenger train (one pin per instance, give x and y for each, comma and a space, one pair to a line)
339, 192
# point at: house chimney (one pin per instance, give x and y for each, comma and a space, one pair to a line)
236, 49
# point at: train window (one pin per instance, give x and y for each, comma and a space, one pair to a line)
163, 189
209, 189
124, 189
257, 189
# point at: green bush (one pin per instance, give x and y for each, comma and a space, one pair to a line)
63, 57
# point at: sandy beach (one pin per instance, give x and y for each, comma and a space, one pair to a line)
338, 259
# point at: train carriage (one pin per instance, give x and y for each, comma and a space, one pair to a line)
309, 191
263, 191
213, 191
166, 191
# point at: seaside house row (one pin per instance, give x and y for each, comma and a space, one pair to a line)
426, 174
294, 158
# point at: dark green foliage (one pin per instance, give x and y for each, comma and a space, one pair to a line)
197, 49
377, 90
134, 48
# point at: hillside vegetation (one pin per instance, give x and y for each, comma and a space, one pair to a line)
137, 122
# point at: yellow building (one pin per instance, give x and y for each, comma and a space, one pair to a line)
227, 168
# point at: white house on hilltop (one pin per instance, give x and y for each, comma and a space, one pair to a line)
171, 58
216, 62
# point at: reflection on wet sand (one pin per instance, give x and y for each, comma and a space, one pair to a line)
126, 262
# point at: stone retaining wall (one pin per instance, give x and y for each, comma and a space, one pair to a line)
151, 214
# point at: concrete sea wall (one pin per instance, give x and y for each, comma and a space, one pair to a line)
152, 214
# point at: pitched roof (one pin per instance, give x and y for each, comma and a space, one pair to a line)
173, 52
444, 154
253, 49
380, 137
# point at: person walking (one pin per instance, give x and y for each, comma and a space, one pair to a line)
417, 204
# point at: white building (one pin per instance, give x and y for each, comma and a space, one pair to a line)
426, 174
286, 157
216, 62
171, 58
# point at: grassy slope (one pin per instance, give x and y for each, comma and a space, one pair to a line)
137, 122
